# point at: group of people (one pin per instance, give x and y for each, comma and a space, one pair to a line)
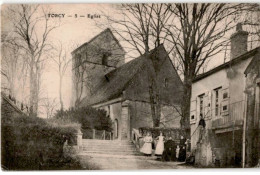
165, 149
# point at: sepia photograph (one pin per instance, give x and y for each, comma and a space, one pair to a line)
130, 86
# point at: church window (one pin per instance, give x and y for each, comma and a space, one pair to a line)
104, 59
166, 81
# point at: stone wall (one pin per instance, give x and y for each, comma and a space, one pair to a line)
169, 84
91, 59
8, 108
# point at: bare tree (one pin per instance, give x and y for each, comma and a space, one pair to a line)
142, 28
26, 20
49, 105
10, 61
197, 33
62, 61
250, 19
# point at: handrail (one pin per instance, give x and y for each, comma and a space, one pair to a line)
136, 131
103, 135
136, 137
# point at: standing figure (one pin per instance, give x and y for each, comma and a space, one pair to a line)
147, 147
160, 145
177, 151
202, 125
169, 154
182, 151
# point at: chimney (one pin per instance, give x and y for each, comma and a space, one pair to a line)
238, 42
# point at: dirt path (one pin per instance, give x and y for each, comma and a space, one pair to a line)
127, 163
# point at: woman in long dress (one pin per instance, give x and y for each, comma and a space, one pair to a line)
147, 147
160, 145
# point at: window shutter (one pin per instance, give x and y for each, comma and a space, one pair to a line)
206, 106
193, 110
198, 107
224, 97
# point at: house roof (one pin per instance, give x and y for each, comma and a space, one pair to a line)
104, 31
227, 64
255, 63
115, 82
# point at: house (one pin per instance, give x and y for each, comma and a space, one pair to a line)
220, 97
124, 89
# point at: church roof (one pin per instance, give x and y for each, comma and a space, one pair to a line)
115, 82
95, 37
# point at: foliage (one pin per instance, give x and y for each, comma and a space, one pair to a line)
88, 117
30, 143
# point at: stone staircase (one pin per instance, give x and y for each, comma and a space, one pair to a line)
109, 147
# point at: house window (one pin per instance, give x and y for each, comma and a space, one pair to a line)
217, 101
166, 82
225, 95
192, 117
225, 108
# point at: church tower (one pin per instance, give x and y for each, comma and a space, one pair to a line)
91, 61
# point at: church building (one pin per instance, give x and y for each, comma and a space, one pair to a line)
127, 91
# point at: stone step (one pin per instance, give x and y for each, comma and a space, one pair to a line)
98, 140
106, 141
108, 146
112, 143
140, 157
104, 145
110, 150
112, 153
106, 149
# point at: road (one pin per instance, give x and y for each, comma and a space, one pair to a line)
108, 162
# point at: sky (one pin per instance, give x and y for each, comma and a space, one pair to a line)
74, 31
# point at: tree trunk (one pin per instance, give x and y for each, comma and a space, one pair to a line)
60, 89
154, 104
33, 90
185, 119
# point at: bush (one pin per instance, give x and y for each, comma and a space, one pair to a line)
30, 143
89, 118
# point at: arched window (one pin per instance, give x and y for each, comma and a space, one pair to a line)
166, 81
104, 59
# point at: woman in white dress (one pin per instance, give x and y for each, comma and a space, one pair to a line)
147, 147
160, 145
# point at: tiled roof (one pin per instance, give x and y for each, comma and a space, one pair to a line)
231, 62
115, 82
